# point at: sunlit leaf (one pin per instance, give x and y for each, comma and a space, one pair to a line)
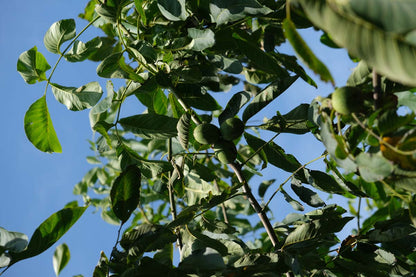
61, 258
81, 51
50, 231
39, 129
202, 39
58, 33
373, 167
125, 193
78, 99
303, 50
12, 241
32, 66
222, 12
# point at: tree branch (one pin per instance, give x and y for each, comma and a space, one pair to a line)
254, 204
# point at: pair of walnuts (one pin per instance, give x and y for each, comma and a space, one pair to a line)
221, 138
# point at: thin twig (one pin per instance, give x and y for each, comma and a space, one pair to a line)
224, 210
377, 90
254, 204
358, 215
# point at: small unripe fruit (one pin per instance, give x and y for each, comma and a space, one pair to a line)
206, 133
225, 151
232, 128
347, 100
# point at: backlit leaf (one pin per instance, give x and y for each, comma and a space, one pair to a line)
58, 33
32, 66
39, 129
173, 9
61, 258
50, 231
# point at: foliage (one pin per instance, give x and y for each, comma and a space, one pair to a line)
176, 57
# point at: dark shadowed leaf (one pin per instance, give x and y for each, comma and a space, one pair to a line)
125, 192
39, 129
173, 9
50, 231
266, 96
61, 258
151, 126
306, 195
78, 99
101, 270
234, 105
222, 12
183, 127
58, 33
32, 66
295, 204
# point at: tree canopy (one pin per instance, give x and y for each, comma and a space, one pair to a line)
194, 158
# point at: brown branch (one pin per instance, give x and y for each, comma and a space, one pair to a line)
377, 90
254, 204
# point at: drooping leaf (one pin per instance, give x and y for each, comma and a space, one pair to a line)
324, 182
81, 51
295, 204
125, 192
183, 127
32, 66
264, 186
373, 167
407, 98
274, 153
210, 242
78, 99
305, 53
234, 105
61, 258
114, 66
294, 122
39, 129
306, 195
152, 126
201, 39
391, 16
58, 33
50, 231
386, 52
222, 12
173, 9
266, 96
197, 97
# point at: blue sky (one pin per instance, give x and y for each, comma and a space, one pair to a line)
34, 185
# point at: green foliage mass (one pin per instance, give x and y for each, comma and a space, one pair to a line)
155, 174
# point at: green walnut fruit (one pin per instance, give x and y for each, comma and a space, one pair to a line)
206, 133
225, 151
232, 128
347, 100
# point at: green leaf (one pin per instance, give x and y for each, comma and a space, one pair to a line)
125, 193
233, 66
113, 66
222, 12
201, 39
49, 232
267, 95
32, 66
39, 129
101, 270
294, 122
12, 241
210, 242
386, 52
197, 97
61, 258
295, 204
78, 99
264, 186
324, 182
306, 195
274, 153
173, 10
152, 126
391, 16
234, 105
58, 33
360, 75
373, 167
81, 51
305, 53
407, 98
183, 128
